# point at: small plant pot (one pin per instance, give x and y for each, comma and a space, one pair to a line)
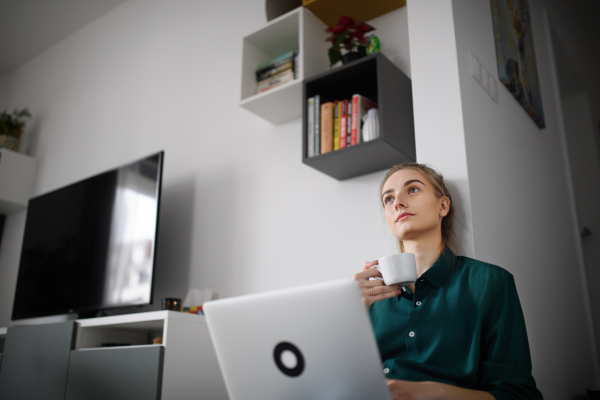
351, 56
9, 142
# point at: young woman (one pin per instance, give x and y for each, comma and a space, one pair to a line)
458, 332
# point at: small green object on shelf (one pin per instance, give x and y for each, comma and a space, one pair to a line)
374, 45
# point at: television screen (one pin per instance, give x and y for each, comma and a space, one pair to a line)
90, 246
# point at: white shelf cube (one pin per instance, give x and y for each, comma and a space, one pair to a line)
17, 176
298, 29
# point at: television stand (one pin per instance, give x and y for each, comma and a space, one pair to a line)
91, 314
183, 367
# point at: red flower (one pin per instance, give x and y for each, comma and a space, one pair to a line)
364, 28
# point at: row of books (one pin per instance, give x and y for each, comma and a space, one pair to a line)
277, 71
334, 125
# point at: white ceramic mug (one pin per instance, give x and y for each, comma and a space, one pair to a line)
398, 269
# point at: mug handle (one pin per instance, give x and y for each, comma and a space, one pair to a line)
375, 278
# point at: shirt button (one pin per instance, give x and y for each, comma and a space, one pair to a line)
386, 371
411, 334
418, 303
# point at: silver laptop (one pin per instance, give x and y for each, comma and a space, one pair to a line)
312, 342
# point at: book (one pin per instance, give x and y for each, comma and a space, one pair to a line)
296, 65
337, 111
327, 127
274, 81
317, 142
343, 123
310, 125
349, 124
273, 71
282, 59
360, 105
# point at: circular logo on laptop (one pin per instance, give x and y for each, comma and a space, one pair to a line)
288, 359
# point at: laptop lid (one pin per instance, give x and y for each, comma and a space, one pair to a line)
309, 342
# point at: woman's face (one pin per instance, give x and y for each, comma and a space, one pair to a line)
412, 209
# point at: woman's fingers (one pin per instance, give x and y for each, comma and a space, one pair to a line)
381, 290
373, 290
365, 274
369, 264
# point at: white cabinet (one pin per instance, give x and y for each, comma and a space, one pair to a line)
17, 175
190, 369
298, 29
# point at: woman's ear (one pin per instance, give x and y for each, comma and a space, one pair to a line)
444, 206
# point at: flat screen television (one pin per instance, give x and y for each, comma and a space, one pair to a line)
91, 245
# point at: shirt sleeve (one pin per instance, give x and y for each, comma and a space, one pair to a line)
506, 367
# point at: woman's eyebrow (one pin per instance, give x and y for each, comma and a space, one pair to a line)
405, 184
413, 180
387, 191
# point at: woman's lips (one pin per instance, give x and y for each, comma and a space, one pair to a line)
403, 216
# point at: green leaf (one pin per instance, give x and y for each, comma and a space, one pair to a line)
335, 55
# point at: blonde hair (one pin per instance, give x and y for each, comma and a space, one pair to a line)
437, 181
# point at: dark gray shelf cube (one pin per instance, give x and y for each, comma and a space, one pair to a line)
378, 79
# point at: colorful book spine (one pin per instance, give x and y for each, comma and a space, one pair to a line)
276, 80
360, 106
282, 59
343, 123
349, 125
337, 111
317, 142
261, 76
327, 127
310, 126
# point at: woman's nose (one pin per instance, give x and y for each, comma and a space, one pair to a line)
399, 202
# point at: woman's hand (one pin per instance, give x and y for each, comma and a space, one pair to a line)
374, 290
405, 390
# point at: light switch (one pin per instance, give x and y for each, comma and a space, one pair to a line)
493, 89
475, 67
483, 77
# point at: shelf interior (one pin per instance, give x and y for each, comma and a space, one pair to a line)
132, 333
278, 37
359, 77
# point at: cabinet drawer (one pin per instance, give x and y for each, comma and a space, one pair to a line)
115, 373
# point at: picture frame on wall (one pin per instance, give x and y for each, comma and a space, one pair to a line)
515, 54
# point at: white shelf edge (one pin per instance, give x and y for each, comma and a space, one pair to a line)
140, 317
137, 346
3, 331
259, 96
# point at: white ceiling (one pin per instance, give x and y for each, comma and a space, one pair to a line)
31, 26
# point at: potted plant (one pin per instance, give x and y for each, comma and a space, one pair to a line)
11, 128
348, 35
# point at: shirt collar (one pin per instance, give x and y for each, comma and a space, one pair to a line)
441, 268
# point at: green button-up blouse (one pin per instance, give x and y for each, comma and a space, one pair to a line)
463, 326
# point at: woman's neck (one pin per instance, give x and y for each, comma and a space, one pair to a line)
426, 251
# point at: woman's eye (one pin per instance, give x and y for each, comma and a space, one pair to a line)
388, 199
413, 190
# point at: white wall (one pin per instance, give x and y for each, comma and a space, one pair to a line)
242, 214
523, 207
240, 211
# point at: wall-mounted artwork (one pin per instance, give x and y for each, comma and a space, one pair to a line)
517, 68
